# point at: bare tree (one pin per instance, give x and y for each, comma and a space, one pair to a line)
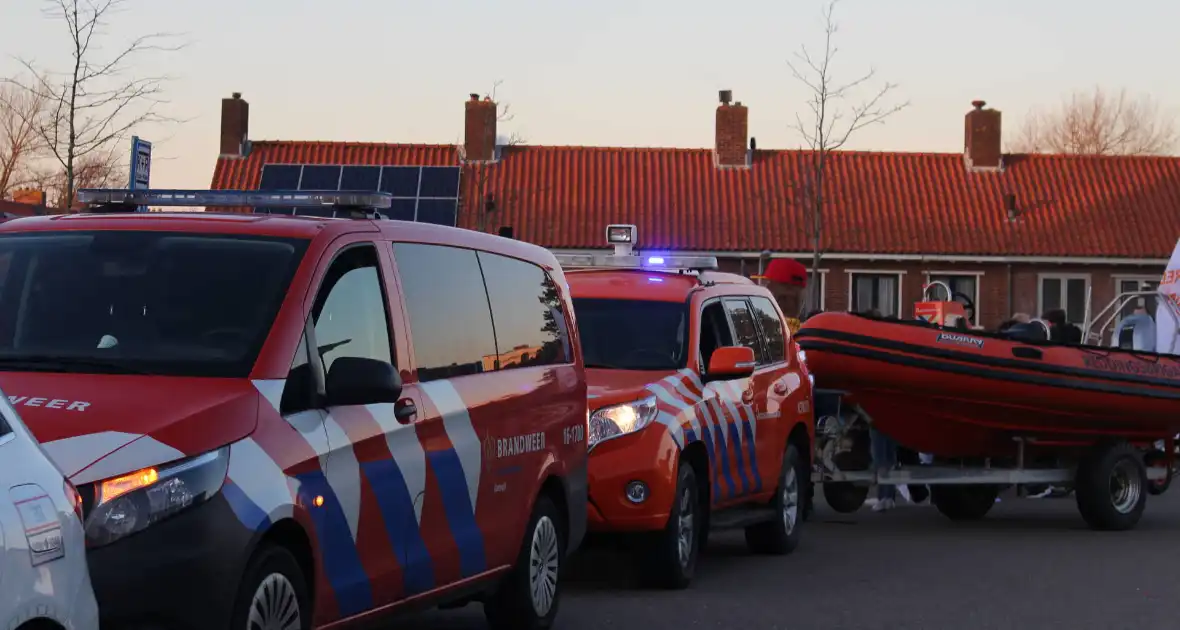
485, 204
836, 115
20, 144
97, 101
1099, 123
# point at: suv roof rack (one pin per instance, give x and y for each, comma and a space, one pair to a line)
356, 204
622, 237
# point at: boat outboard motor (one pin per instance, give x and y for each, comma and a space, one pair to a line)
1135, 332
1035, 330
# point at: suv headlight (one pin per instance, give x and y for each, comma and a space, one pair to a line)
617, 420
129, 503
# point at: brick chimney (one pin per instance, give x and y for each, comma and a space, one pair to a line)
729, 149
981, 140
235, 125
479, 129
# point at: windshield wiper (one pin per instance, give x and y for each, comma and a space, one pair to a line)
48, 363
603, 366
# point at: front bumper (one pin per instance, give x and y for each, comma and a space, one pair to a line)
180, 573
650, 456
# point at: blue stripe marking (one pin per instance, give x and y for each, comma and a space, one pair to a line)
341, 560
736, 438
460, 513
723, 446
246, 510
748, 429
397, 510
707, 438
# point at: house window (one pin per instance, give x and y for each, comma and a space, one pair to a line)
1067, 292
879, 291
1129, 284
823, 289
967, 284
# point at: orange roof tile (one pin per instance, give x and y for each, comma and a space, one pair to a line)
883, 203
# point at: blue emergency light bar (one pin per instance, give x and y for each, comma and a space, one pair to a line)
650, 263
128, 200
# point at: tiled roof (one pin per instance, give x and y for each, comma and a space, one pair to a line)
884, 203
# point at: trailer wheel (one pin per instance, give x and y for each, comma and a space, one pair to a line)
1112, 487
845, 497
968, 502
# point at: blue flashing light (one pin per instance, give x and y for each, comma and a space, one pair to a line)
655, 260
655, 279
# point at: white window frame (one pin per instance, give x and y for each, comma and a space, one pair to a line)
978, 275
1041, 277
900, 273
1118, 279
823, 287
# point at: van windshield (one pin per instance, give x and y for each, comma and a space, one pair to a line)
632, 334
140, 302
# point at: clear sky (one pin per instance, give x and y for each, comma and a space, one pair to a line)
610, 72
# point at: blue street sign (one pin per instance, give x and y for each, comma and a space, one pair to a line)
141, 165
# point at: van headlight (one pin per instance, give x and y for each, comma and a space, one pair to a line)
617, 420
129, 503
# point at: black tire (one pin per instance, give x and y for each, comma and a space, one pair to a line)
781, 535
273, 586
661, 563
968, 502
1111, 487
845, 497
512, 605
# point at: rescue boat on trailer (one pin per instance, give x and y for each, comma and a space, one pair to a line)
1021, 398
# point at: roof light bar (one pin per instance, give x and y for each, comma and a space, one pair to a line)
236, 198
651, 263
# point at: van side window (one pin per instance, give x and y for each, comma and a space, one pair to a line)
743, 326
450, 319
4, 428
530, 324
772, 328
349, 312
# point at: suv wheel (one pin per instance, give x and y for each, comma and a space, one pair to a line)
780, 535
670, 560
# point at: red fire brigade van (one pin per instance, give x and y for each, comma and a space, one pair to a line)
700, 406
299, 421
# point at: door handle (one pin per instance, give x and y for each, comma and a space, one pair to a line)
1025, 352
405, 411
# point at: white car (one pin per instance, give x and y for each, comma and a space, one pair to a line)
44, 578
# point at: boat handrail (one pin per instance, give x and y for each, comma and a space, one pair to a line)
1095, 327
926, 290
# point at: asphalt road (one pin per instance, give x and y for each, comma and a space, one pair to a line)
1030, 564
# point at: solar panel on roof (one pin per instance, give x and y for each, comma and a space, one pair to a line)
427, 194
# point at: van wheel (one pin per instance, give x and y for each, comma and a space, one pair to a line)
670, 560
528, 597
273, 593
780, 535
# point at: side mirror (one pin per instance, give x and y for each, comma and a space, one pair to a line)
358, 381
730, 362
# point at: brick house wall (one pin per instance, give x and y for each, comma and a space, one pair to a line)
992, 278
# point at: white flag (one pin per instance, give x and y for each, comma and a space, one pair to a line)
1166, 340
